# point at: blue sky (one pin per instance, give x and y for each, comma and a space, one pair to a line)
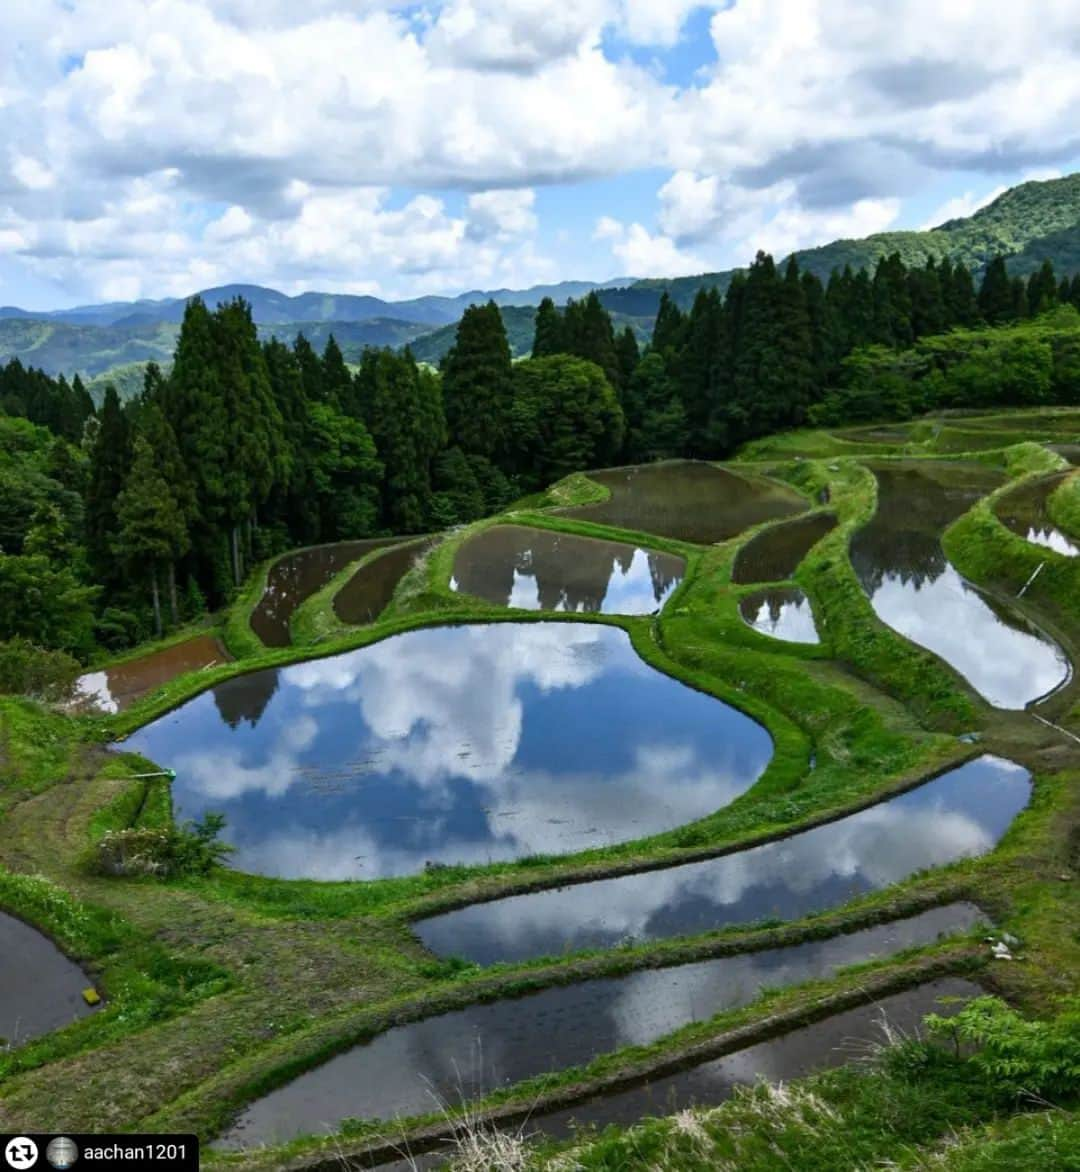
155, 147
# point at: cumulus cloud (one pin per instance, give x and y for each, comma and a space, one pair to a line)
262, 128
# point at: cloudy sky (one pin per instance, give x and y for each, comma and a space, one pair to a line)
155, 147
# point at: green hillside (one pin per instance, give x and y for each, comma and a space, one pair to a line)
1030, 223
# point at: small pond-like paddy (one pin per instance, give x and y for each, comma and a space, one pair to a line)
118, 687
368, 592
452, 745
414, 1069
958, 815
687, 500
297, 576
774, 555
40, 989
912, 587
1023, 510
541, 569
782, 612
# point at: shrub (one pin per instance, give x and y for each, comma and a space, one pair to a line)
29, 670
191, 849
1017, 1058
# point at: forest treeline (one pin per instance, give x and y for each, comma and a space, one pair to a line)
118, 521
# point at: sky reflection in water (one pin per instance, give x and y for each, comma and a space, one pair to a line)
538, 569
958, 815
458, 744
912, 587
412, 1069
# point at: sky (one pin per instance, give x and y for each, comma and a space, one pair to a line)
151, 148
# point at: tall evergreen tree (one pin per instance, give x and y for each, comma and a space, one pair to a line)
549, 336
669, 327
1042, 289
109, 459
406, 422
996, 300
152, 531
476, 385
336, 379
629, 355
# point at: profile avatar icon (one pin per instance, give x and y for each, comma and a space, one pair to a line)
62, 1152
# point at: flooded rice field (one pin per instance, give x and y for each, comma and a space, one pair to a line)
783, 613
540, 569
297, 576
368, 592
118, 687
416, 1068
841, 1038
687, 500
1023, 510
452, 745
961, 814
40, 989
899, 561
774, 555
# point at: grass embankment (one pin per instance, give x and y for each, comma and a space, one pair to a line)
315, 967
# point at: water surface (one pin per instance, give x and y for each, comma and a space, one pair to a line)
452, 745
774, 555
782, 612
118, 687
296, 577
368, 592
834, 1041
416, 1068
687, 500
1023, 510
541, 569
40, 989
912, 587
959, 815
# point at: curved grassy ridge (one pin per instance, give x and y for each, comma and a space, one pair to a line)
867, 744
1063, 505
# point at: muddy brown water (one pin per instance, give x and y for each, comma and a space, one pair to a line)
780, 612
368, 592
687, 500
459, 1056
40, 989
899, 561
540, 569
115, 688
1023, 511
961, 814
297, 576
774, 555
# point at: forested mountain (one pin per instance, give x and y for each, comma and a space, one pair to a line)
120, 518
1028, 224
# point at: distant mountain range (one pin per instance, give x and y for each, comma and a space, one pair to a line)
1030, 223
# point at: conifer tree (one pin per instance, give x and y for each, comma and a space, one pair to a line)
152, 532
336, 379
476, 385
629, 355
1042, 290
108, 468
996, 299
548, 337
670, 323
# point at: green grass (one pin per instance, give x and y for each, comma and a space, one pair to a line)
222, 987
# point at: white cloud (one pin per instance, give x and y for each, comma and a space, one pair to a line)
640, 252
309, 121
